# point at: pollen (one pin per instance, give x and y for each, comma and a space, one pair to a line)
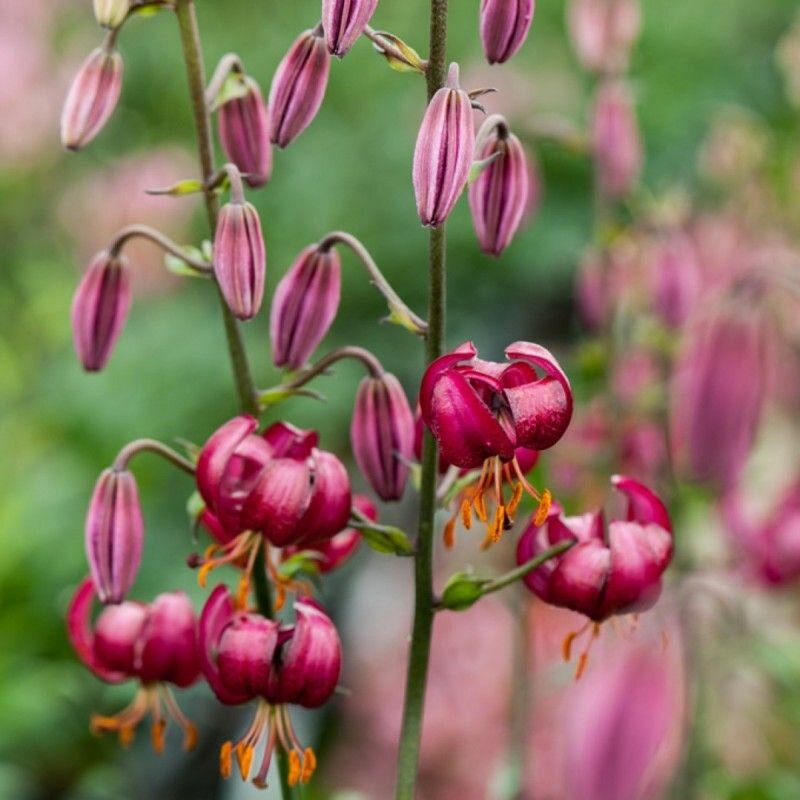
295, 770
466, 513
309, 765
545, 503
226, 760
244, 758
449, 534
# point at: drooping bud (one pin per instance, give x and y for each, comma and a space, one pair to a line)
504, 27
100, 307
304, 306
443, 154
344, 21
111, 13
92, 98
382, 435
602, 32
244, 134
615, 140
298, 87
114, 535
499, 195
240, 259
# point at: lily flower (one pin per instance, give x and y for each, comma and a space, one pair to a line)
155, 644
481, 412
246, 656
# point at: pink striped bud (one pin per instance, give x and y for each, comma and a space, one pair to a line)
304, 306
92, 98
382, 435
244, 134
298, 87
603, 31
240, 260
615, 140
99, 309
111, 13
504, 27
114, 535
443, 155
499, 196
344, 21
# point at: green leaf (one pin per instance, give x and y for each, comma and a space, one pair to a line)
235, 87
480, 166
386, 539
462, 591
306, 562
180, 189
179, 267
405, 59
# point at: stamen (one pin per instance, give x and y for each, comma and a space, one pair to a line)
157, 731
516, 498
244, 758
449, 534
231, 552
545, 502
189, 730
123, 724
496, 529
294, 768
260, 780
466, 513
479, 505
583, 659
569, 639
226, 760
309, 765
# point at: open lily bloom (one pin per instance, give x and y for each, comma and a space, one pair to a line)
274, 486
611, 569
481, 412
155, 644
246, 656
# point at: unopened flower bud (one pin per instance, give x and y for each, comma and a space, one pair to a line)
615, 140
111, 13
240, 259
92, 98
114, 535
304, 306
504, 27
99, 309
244, 134
344, 21
298, 87
499, 196
443, 155
602, 32
382, 435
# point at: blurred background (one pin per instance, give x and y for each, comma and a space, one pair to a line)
717, 94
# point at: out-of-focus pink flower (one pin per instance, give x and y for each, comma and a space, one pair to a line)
674, 278
607, 571
246, 656
443, 153
298, 87
344, 21
718, 388
382, 434
304, 305
114, 535
603, 32
615, 140
504, 27
155, 644
770, 546
643, 450
100, 308
92, 98
636, 374
498, 198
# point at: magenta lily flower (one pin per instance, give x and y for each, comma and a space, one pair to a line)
114, 535
769, 546
498, 197
240, 259
304, 306
382, 435
275, 486
92, 98
616, 142
298, 87
481, 412
443, 154
246, 656
100, 308
344, 21
614, 569
504, 27
155, 644
244, 134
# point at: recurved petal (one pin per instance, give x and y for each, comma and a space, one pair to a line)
331, 500
542, 409
579, 579
461, 354
216, 454
644, 505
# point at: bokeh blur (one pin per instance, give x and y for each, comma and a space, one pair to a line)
683, 327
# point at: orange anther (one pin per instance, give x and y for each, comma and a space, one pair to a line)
309, 765
244, 758
566, 645
125, 734
480, 507
157, 731
466, 514
242, 593
582, 662
189, 737
496, 528
516, 497
202, 575
294, 768
226, 760
449, 534
543, 510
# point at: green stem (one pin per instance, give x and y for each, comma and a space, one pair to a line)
416, 679
248, 403
192, 55
529, 566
